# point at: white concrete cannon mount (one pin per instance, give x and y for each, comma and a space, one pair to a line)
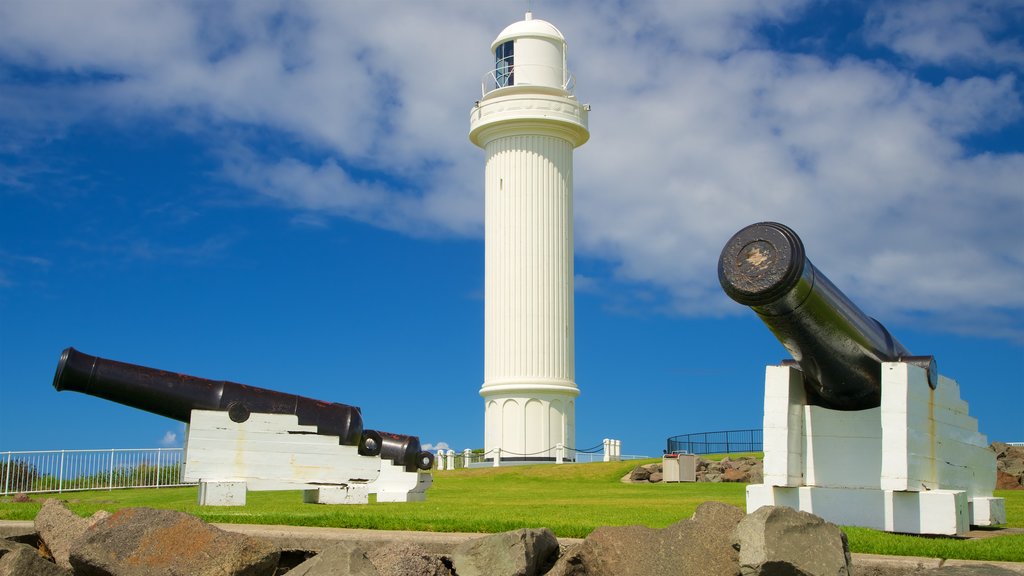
916, 464
275, 452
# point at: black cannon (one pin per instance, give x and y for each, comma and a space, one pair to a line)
839, 348
175, 395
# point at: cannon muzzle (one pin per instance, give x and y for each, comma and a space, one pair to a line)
838, 347
405, 451
175, 395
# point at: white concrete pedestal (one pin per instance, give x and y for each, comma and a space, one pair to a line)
271, 452
222, 493
351, 494
916, 464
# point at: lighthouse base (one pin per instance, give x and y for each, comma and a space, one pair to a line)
524, 427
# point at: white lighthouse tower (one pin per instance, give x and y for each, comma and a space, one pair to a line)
528, 121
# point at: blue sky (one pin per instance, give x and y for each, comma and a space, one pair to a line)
283, 194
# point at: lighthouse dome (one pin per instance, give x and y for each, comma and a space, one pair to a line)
530, 53
528, 27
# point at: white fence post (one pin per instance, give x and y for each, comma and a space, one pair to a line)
497, 457
7, 481
60, 476
607, 450
559, 453
451, 459
440, 460
467, 456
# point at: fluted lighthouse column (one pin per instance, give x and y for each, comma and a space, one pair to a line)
528, 122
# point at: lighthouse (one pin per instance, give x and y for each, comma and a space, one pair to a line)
528, 121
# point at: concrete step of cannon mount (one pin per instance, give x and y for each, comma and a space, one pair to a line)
315, 538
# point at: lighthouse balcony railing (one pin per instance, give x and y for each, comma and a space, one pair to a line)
522, 75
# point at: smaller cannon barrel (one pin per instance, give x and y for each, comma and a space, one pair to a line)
405, 451
175, 395
837, 346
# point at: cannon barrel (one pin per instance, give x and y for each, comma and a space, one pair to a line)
405, 451
175, 395
837, 346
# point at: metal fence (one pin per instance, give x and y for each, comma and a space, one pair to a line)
68, 470
723, 442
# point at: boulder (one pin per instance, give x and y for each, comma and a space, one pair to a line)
140, 541
343, 559
59, 529
1009, 466
777, 540
18, 559
640, 474
700, 545
1006, 481
656, 477
524, 552
735, 475
409, 560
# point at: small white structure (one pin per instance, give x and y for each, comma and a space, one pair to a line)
917, 464
275, 452
528, 121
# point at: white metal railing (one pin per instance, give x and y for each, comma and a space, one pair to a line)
68, 470
608, 450
490, 81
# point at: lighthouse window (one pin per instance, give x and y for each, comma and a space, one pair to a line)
503, 75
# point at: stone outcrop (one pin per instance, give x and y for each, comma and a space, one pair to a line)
743, 469
781, 540
719, 539
525, 552
1009, 466
60, 529
142, 541
344, 559
699, 545
18, 559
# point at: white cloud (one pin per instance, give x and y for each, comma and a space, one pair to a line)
698, 128
170, 439
939, 32
434, 447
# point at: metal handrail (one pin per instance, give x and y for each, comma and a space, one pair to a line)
489, 82
718, 442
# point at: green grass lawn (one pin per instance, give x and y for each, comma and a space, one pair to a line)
572, 500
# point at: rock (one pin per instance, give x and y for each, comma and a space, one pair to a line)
611, 550
18, 559
406, 560
706, 539
522, 552
640, 474
59, 528
780, 540
343, 559
140, 541
700, 545
20, 497
1005, 481
1009, 466
655, 477
735, 475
